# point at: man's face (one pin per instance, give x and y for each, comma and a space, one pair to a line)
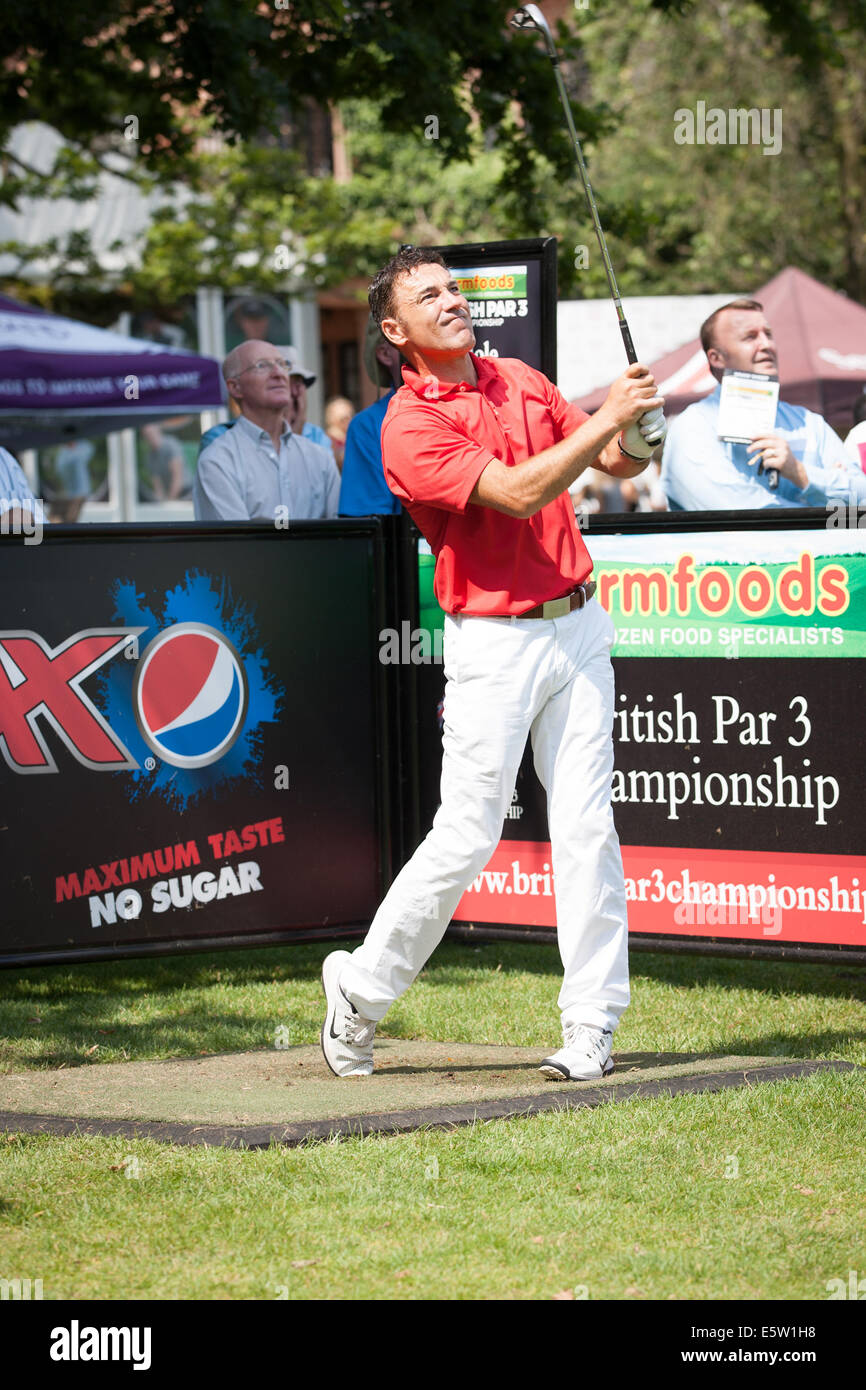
262, 390
298, 388
744, 343
253, 325
431, 316
389, 356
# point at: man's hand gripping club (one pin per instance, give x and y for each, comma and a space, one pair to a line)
524, 488
641, 437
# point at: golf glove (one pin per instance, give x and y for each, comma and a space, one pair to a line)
641, 439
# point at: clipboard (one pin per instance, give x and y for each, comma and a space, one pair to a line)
747, 407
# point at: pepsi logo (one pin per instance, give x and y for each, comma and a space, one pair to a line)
190, 695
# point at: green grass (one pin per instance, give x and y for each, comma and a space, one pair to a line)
753, 1193
496, 993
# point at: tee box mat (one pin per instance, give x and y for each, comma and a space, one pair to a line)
289, 1096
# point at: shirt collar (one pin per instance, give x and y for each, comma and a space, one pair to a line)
256, 432
421, 385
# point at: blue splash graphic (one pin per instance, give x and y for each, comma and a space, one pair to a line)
200, 598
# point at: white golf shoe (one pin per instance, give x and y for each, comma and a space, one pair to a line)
584, 1056
347, 1037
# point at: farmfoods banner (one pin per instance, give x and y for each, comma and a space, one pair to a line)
499, 301
738, 779
779, 594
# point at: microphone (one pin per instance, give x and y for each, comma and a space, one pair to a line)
772, 475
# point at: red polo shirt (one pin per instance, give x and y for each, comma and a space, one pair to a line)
437, 439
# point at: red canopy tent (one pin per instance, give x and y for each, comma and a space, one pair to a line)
821, 340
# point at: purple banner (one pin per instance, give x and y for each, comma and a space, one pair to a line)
59, 378
110, 381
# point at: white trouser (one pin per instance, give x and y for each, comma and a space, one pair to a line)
507, 678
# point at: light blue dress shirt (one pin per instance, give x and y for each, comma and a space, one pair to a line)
15, 491
701, 472
313, 432
318, 436
240, 477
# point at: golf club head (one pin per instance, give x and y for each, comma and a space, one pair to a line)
530, 17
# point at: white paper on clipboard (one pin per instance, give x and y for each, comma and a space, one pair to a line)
747, 407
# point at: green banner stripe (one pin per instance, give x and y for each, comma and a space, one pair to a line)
812, 606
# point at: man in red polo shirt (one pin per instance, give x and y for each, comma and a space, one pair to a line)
481, 451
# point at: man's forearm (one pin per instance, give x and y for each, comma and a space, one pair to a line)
544, 477
524, 488
617, 464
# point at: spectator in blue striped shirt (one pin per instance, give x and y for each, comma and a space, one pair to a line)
300, 378
260, 469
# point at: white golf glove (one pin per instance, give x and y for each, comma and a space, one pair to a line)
653, 426
641, 439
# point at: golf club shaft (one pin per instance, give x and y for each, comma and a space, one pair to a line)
593, 210
531, 17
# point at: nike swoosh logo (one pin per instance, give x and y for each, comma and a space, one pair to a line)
331, 1032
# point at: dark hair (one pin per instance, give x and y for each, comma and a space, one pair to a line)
860, 409
381, 292
707, 327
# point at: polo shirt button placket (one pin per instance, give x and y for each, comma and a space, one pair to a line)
499, 420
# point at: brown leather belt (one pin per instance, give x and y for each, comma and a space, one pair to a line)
558, 607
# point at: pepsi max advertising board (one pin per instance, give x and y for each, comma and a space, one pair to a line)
190, 723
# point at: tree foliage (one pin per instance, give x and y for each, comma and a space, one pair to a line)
259, 219
235, 68
84, 69
703, 217
679, 218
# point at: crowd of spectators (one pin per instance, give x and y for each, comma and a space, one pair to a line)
800, 462
269, 460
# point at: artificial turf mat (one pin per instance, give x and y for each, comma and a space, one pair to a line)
256, 1098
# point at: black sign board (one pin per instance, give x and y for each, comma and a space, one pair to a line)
511, 288
739, 645
191, 724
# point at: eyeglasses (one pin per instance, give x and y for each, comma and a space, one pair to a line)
267, 364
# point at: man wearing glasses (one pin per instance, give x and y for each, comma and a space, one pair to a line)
260, 470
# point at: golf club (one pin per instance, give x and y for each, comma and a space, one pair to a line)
530, 17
